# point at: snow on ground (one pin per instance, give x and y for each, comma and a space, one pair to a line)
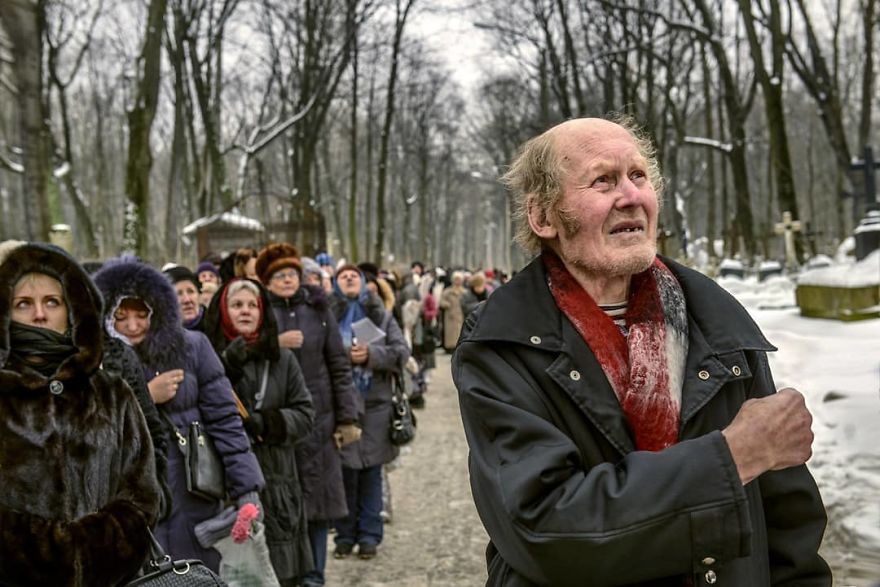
836, 365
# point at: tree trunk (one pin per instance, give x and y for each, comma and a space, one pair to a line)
140, 121
400, 21
24, 22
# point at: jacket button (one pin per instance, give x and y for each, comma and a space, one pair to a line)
704, 375
575, 375
535, 340
56, 387
711, 577
708, 561
736, 370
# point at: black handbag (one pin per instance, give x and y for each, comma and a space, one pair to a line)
203, 466
161, 571
403, 421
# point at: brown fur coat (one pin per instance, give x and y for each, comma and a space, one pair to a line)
76, 465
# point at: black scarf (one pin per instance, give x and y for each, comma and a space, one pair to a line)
41, 349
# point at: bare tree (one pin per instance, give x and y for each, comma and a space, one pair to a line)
140, 122
24, 23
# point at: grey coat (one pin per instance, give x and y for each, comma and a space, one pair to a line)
565, 497
385, 360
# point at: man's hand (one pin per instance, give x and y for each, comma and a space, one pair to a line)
770, 433
359, 354
163, 387
346, 434
292, 339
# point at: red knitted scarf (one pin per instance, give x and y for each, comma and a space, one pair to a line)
646, 367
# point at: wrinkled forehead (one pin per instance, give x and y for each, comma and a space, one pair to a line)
581, 141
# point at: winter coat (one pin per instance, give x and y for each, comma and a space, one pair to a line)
120, 359
562, 492
326, 368
204, 395
453, 316
385, 360
76, 461
288, 416
470, 299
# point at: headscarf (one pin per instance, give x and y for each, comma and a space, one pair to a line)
355, 310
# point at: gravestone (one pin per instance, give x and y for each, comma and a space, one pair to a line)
769, 269
867, 234
731, 268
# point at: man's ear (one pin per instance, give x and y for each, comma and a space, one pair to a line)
538, 220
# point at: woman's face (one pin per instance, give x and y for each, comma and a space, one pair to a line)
349, 282
244, 311
187, 299
132, 320
284, 282
38, 300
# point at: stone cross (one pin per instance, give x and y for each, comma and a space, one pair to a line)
788, 227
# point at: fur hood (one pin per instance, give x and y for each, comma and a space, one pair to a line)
164, 347
84, 306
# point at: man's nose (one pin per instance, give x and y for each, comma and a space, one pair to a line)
630, 194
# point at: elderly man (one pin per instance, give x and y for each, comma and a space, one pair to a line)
623, 424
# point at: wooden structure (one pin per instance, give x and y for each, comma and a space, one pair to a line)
224, 232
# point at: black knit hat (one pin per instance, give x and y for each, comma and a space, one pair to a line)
180, 273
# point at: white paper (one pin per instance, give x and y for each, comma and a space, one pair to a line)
366, 332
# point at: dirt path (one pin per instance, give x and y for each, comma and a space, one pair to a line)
435, 538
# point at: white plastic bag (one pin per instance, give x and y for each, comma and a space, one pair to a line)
247, 564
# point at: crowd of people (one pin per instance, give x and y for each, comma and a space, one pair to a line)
104, 371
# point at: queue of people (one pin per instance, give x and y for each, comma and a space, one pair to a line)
261, 350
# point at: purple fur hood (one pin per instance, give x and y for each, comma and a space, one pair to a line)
128, 277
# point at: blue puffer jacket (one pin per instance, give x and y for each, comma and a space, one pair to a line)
205, 394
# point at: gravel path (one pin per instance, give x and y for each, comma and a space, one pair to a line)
435, 538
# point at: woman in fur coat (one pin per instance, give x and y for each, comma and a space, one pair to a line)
279, 413
76, 461
187, 382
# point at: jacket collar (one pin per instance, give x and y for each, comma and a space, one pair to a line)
524, 309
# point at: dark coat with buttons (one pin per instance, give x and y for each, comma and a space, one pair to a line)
564, 495
78, 486
327, 371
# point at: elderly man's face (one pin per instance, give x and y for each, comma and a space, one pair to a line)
606, 222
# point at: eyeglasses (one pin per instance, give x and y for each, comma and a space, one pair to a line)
282, 275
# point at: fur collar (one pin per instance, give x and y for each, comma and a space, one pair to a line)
164, 347
84, 303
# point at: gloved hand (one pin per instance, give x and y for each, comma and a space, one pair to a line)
234, 357
255, 426
251, 497
346, 434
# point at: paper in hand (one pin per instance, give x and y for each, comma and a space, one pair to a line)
366, 332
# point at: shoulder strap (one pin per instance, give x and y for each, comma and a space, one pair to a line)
263, 384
